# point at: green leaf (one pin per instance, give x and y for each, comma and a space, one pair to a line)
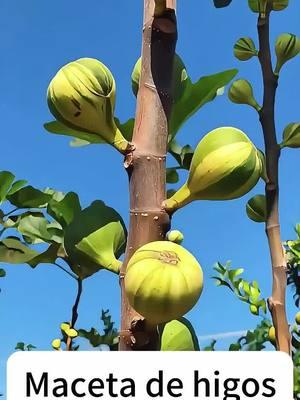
49, 256
172, 175
20, 346
13, 251
195, 96
60, 129
2, 273
33, 226
222, 3
126, 128
63, 211
29, 197
183, 155
6, 180
95, 239
110, 337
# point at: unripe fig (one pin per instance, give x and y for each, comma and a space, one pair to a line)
279, 5
179, 335
272, 335
56, 343
225, 165
64, 327
244, 49
241, 92
259, 6
297, 318
82, 97
291, 136
256, 208
175, 236
254, 310
180, 77
287, 47
72, 333
163, 281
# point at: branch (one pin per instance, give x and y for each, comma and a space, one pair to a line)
75, 312
161, 6
146, 164
277, 302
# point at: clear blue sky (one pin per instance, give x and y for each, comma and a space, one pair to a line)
36, 39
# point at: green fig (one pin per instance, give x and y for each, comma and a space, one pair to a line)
226, 165
163, 281
175, 236
287, 47
180, 77
95, 239
291, 136
244, 49
241, 92
297, 318
260, 6
272, 335
82, 97
179, 335
56, 343
256, 208
64, 327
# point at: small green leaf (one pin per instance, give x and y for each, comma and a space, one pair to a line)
13, 251
63, 211
6, 180
172, 175
29, 197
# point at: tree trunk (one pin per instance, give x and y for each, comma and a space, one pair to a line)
146, 163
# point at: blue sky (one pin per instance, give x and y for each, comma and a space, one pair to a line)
37, 38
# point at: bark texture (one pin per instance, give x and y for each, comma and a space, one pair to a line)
146, 163
277, 302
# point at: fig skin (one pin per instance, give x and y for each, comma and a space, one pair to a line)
163, 281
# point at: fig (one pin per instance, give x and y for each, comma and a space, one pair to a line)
256, 208
56, 343
180, 77
287, 47
297, 318
82, 97
225, 165
163, 281
241, 92
179, 335
244, 49
272, 335
175, 236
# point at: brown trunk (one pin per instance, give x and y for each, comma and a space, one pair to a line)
146, 164
276, 302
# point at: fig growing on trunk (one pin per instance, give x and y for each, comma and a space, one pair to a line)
256, 208
82, 97
163, 281
226, 165
180, 77
179, 335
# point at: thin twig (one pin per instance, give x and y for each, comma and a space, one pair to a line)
74, 313
276, 302
66, 271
